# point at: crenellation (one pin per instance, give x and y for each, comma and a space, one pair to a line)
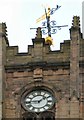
12, 50
30, 47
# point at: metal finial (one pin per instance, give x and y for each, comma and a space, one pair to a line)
38, 33
76, 21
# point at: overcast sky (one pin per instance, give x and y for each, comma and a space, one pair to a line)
21, 15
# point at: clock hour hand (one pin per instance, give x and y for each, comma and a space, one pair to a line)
35, 101
43, 98
38, 101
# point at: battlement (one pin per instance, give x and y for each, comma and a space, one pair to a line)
40, 49
44, 53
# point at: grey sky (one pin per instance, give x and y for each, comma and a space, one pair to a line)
20, 15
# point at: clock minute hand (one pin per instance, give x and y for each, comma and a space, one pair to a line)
34, 101
28, 102
43, 98
38, 101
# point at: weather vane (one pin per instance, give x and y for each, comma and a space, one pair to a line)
49, 27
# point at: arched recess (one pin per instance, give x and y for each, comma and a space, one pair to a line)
35, 85
38, 85
47, 115
29, 116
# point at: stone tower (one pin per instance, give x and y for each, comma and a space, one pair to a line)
42, 83
83, 18
3, 45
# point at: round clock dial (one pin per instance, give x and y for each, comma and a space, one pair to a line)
38, 101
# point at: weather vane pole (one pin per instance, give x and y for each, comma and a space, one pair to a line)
48, 21
50, 25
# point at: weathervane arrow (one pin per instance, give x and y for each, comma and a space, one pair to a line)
51, 12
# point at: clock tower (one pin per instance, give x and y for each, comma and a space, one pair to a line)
42, 84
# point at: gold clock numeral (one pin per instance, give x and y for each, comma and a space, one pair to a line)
42, 93
49, 98
31, 96
42, 109
31, 108
36, 110
46, 107
49, 102
46, 95
35, 93
28, 99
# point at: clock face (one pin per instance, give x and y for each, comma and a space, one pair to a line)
38, 101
